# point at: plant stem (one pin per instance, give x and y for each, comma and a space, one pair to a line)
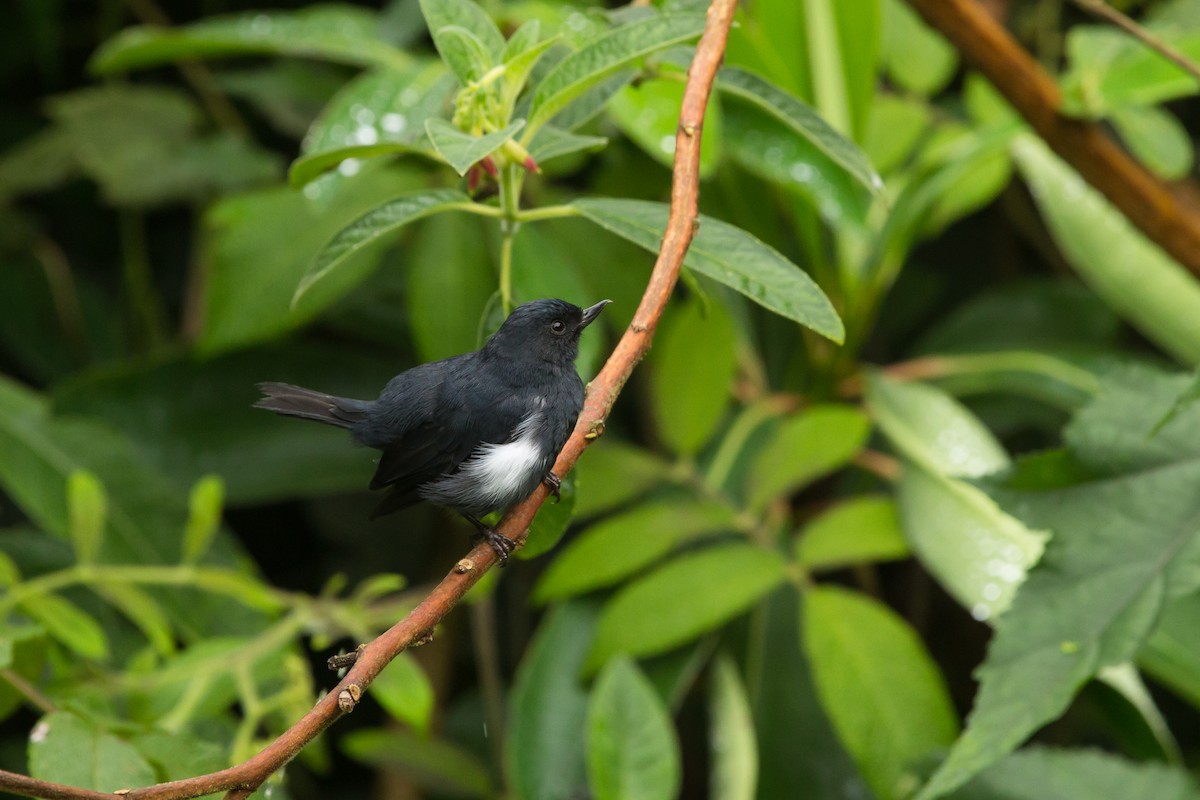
510, 203
549, 212
487, 661
146, 307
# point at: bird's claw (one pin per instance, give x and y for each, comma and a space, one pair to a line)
554, 483
500, 543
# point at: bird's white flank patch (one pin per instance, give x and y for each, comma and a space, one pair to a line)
502, 469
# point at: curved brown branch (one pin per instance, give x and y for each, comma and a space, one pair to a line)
240, 781
1140, 196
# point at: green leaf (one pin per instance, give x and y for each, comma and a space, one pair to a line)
521, 55
551, 521
731, 739
443, 16
1158, 139
1043, 773
462, 51
435, 765
143, 610
808, 445
861, 530
339, 33
896, 127
631, 745
622, 544
802, 120
460, 149
692, 369
861, 651
931, 428
1110, 69
1131, 274
1172, 654
177, 756
204, 517
917, 58
544, 751
648, 113
552, 142
690, 595
67, 623
603, 56
404, 691
1183, 401
10, 573
87, 511
378, 113
369, 228
1125, 544
65, 748
729, 256
615, 472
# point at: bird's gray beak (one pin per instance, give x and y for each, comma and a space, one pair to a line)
591, 312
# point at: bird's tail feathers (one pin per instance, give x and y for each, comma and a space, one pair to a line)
296, 401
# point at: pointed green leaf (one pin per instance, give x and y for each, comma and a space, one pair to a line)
861, 530
917, 58
439, 767
10, 573
143, 611
461, 150
648, 113
204, 517
614, 473
1044, 773
374, 225
803, 120
622, 544
1158, 139
808, 445
693, 594
65, 748
861, 651
340, 33
544, 754
1133, 275
729, 256
87, 509
603, 56
551, 522
731, 738
469, 18
521, 55
466, 56
632, 750
404, 691
67, 623
552, 142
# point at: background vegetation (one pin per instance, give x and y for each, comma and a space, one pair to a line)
812, 509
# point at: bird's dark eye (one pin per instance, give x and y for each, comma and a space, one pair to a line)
558, 326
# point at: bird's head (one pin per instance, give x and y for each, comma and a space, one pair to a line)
544, 329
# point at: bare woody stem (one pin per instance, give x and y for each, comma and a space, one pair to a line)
241, 780
1140, 196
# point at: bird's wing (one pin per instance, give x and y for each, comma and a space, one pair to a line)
447, 414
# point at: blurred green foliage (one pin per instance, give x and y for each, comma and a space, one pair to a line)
919, 383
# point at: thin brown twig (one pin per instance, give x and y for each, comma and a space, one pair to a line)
1108, 13
241, 780
1140, 196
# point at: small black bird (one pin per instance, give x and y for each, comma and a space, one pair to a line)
475, 432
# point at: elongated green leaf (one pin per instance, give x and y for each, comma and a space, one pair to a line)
1044, 773
615, 472
625, 543
545, 752
691, 371
861, 651
448, 20
728, 255
1172, 654
372, 226
142, 610
731, 739
404, 691
692, 594
1131, 274
917, 58
551, 521
339, 33
204, 517
648, 113
68, 624
10, 573
1110, 69
1158, 139
600, 58
814, 442
65, 748
801, 119
436, 765
857, 531
87, 508
552, 142
379, 113
632, 750
461, 150
1186, 398
1125, 543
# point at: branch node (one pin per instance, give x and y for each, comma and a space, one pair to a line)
596, 431
345, 660
422, 639
689, 130
348, 698
464, 566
